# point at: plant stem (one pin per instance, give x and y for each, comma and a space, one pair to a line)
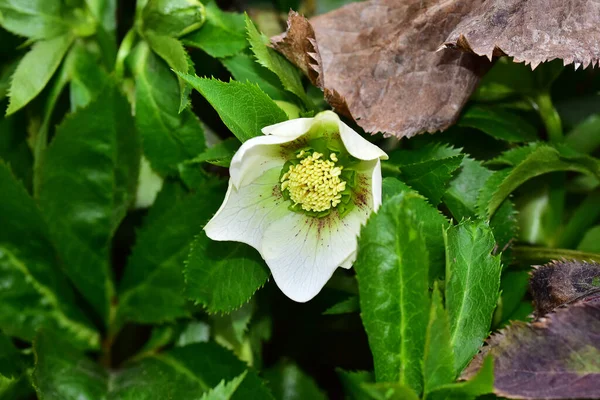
550, 117
538, 255
123, 52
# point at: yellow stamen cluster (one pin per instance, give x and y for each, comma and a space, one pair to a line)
314, 183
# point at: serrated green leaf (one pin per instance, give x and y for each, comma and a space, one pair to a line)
35, 70
463, 190
288, 382
172, 52
151, 290
223, 275
244, 68
220, 154
168, 137
472, 287
287, 73
350, 305
224, 391
14, 149
392, 268
6, 72
433, 224
223, 33
498, 123
33, 291
542, 160
431, 178
35, 19
87, 180
243, 107
482, 383
184, 373
438, 362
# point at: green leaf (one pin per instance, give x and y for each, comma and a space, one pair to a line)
224, 391
33, 291
583, 218
513, 286
223, 276
288, 382
184, 373
14, 149
151, 290
591, 240
10, 359
430, 178
433, 224
172, 52
6, 72
35, 70
35, 19
482, 383
87, 180
584, 137
498, 123
542, 160
223, 34
389, 391
392, 268
438, 364
173, 18
168, 137
350, 305
243, 107
244, 68
352, 383
220, 154
472, 285
463, 190
287, 73
87, 77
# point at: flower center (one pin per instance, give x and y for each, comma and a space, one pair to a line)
314, 183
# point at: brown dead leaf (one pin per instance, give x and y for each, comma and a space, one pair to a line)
562, 282
533, 31
377, 61
557, 357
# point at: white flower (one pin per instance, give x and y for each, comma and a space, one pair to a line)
299, 195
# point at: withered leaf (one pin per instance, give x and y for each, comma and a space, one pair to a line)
377, 62
533, 31
557, 357
562, 282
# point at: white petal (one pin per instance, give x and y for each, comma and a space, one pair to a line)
348, 262
303, 252
358, 146
293, 128
376, 183
248, 211
254, 157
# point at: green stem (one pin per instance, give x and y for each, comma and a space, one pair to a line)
550, 117
123, 52
531, 255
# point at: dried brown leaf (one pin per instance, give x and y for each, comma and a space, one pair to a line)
378, 62
557, 357
533, 31
562, 282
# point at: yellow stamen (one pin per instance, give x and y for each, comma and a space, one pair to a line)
314, 183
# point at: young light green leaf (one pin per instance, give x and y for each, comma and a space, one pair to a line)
224, 391
243, 107
287, 73
33, 291
151, 290
498, 123
438, 363
223, 276
392, 268
173, 18
433, 223
182, 373
220, 154
461, 196
288, 382
472, 287
168, 137
84, 206
172, 52
35, 19
223, 34
482, 383
542, 160
244, 68
35, 70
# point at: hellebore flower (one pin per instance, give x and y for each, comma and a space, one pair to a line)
299, 195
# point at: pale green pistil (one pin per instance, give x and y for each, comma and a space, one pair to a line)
314, 184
